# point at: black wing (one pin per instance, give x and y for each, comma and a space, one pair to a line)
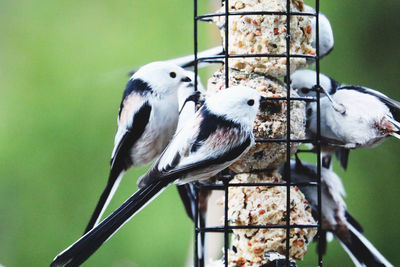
121, 157
176, 173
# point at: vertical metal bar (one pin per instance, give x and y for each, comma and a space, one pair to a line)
226, 227
202, 224
195, 46
317, 66
287, 166
196, 219
196, 225
226, 191
226, 43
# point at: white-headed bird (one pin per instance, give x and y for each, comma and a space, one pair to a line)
218, 134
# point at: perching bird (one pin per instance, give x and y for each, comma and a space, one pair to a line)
147, 120
335, 218
220, 132
326, 40
351, 116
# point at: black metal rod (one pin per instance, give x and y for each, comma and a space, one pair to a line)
305, 99
220, 229
288, 132
318, 146
196, 217
257, 55
222, 186
226, 220
242, 13
280, 140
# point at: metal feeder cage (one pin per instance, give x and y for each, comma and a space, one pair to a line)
226, 229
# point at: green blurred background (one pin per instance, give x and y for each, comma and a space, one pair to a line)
63, 67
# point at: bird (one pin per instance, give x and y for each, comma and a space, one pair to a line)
352, 116
147, 120
218, 134
335, 217
326, 39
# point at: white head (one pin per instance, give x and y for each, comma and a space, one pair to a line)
237, 103
164, 78
304, 80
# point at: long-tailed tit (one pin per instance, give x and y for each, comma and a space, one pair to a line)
220, 132
334, 215
147, 120
326, 40
364, 118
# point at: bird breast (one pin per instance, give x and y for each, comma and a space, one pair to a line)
358, 124
158, 133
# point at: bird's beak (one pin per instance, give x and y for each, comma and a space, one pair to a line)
186, 79
264, 99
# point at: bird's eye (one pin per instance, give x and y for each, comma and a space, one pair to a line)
305, 90
172, 74
250, 102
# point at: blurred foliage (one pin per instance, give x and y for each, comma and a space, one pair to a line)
63, 66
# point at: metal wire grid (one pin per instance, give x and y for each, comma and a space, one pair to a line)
200, 228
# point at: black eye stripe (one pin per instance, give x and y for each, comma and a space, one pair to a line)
172, 74
250, 102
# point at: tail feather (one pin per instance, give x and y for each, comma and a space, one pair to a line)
105, 198
395, 135
342, 155
188, 197
350, 219
82, 249
188, 62
322, 243
361, 251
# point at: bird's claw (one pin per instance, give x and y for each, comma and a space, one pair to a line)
339, 108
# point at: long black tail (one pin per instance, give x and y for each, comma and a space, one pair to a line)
113, 182
188, 196
82, 249
361, 251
